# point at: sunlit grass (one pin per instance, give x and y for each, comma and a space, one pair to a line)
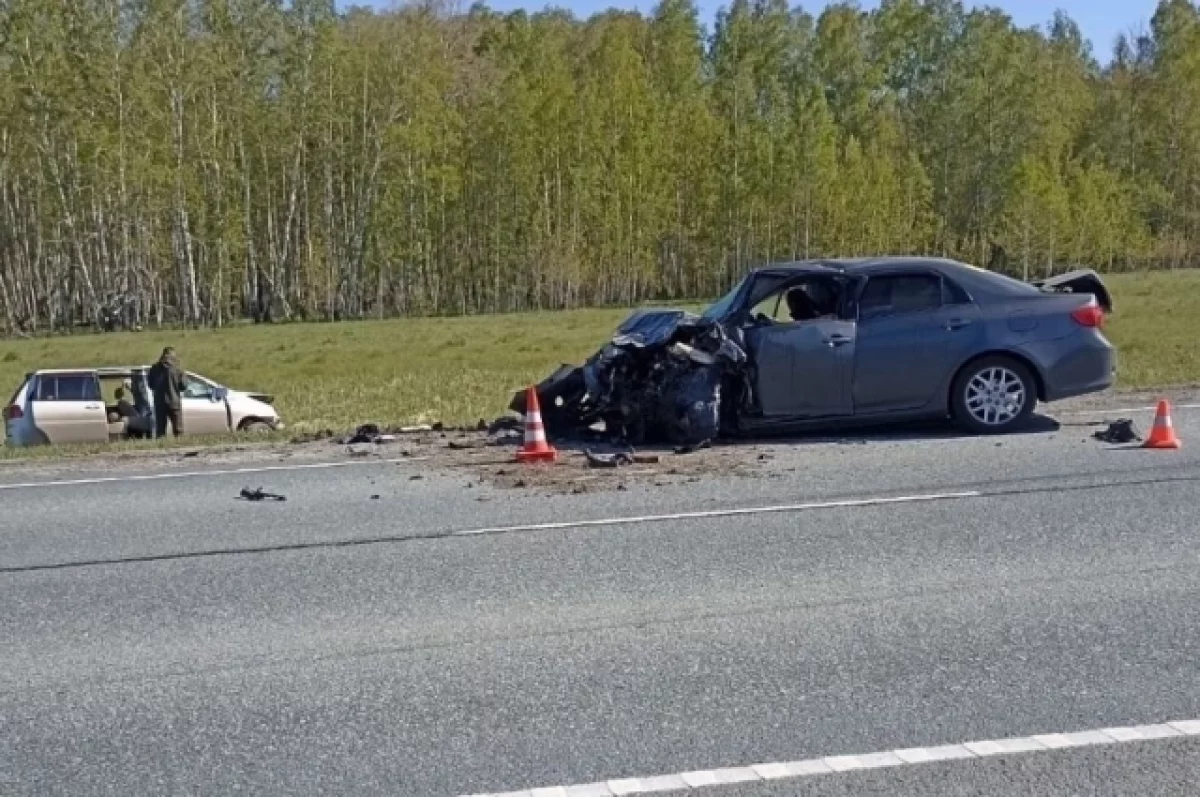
459, 370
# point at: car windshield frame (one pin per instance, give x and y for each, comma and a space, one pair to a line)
722, 307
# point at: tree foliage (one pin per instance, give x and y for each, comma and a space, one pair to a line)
199, 161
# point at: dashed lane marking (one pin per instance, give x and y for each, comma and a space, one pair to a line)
831, 765
720, 513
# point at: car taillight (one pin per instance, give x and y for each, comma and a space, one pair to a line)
1090, 315
12, 412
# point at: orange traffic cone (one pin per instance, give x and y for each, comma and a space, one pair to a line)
1163, 433
536, 449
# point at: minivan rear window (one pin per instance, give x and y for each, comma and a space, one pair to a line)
17, 392
68, 387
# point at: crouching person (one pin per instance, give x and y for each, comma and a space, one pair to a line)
136, 424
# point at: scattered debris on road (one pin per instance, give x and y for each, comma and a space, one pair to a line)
259, 494
1120, 431
313, 437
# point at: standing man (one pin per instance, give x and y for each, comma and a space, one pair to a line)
166, 382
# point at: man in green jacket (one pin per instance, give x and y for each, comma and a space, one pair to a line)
166, 382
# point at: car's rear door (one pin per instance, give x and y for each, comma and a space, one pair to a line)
915, 328
69, 408
203, 411
803, 368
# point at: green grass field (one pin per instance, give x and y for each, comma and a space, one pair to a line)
459, 370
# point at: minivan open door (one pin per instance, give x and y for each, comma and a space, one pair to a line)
205, 407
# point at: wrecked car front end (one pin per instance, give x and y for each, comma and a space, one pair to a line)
661, 378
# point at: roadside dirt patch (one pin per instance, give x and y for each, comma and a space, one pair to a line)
489, 462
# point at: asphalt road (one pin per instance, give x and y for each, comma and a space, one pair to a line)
159, 637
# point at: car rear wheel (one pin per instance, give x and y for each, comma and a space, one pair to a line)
993, 395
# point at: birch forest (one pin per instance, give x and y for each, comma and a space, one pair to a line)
205, 162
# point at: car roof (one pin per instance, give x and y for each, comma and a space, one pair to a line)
87, 369
104, 370
854, 265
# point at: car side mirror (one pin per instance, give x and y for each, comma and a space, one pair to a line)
220, 394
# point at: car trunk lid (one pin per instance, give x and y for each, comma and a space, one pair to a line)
1081, 281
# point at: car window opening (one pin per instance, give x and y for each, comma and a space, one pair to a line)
812, 298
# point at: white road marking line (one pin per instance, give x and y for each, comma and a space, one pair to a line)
720, 513
1123, 410
1021, 745
148, 477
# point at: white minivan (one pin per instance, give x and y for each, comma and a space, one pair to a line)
76, 405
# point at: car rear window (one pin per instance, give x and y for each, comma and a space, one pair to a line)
68, 387
901, 293
1003, 282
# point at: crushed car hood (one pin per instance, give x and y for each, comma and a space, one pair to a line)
651, 327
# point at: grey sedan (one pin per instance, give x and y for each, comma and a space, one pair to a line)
828, 342
908, 338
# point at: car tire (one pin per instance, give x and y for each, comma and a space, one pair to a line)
256, 427
982, 399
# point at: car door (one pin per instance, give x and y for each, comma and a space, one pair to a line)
69, 408
914, 329
204, 412
802, 368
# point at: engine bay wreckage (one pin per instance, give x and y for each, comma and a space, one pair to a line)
665, 377
668, 376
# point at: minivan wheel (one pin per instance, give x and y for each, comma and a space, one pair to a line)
256, 427
993, 395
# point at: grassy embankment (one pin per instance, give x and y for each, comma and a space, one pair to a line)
459, 370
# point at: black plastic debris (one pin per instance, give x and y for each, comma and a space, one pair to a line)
366, 433
615, 460
259, 494
1120, 431
693, 447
